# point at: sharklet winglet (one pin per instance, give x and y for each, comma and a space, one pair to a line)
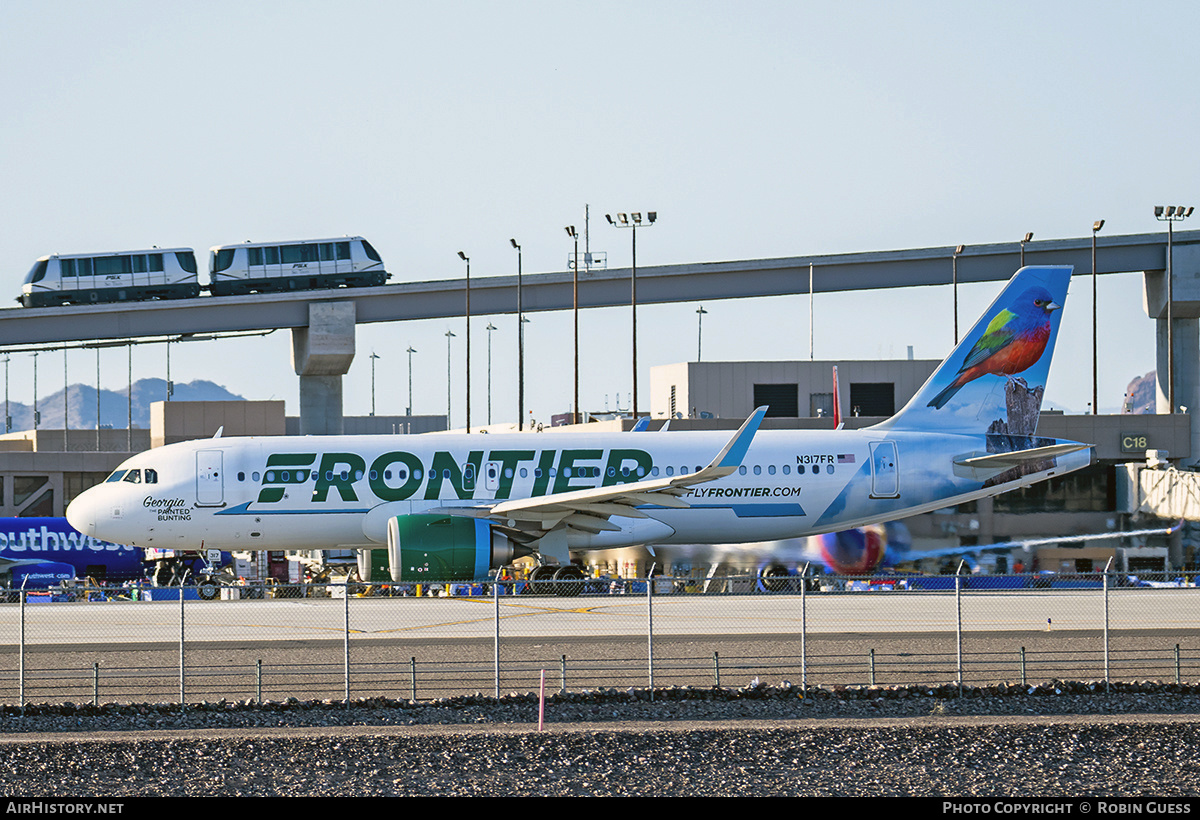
731, 456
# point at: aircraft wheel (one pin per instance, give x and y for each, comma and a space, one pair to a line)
208, 590
776, 579
541, 580
568, 582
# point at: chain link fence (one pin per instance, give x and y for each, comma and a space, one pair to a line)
340, 642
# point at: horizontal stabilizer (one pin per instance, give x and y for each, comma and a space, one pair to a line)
1006, 461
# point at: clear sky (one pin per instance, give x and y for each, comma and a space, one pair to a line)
755, 129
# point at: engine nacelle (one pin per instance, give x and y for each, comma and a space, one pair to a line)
445, 548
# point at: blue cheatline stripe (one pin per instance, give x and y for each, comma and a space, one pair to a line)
483, 548
742, 510
244, 509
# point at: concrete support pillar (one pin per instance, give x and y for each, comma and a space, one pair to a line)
1186, 331
321, 354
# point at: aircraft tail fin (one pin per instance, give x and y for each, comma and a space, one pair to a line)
994, 379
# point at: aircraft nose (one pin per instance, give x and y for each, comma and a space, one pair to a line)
83, 511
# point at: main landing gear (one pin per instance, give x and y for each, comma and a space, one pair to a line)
563, 581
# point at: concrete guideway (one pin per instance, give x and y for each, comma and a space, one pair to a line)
323, 321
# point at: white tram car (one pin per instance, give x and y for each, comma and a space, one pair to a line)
64, 279
268, 267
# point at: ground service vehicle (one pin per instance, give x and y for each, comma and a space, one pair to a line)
271, 267
80, 279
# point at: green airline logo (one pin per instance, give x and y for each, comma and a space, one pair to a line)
400, 475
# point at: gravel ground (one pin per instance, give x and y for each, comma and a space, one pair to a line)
1061, 739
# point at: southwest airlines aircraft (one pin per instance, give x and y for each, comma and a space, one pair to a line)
454, 507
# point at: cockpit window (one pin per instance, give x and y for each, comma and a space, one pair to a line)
151, 476
116, 476
134, 476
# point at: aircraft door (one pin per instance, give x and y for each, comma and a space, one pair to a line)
885, 482
210, 478
491, 477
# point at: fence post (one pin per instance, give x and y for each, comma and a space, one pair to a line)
650, 626
1107, 568
871, 667
716, 670
562, 674
258, 681
22, 654
346, 639
1177, 677
96, 683
496, 633
958, 623
1023, 678
182, 667
412, 671
804, 630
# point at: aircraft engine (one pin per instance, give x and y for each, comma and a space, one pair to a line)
446, 548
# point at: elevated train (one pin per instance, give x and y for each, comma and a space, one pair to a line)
156, 273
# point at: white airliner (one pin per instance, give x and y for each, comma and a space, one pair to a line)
454, 507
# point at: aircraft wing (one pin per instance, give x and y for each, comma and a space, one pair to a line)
589, 510
1003, 546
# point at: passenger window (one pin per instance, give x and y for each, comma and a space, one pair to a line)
757, 470
771, 469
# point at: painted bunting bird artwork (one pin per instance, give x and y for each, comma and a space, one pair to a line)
1013, 342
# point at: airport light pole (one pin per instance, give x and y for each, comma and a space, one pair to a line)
411, 350
954, 264
570, 229
633, 221
373, 358
700, 313
1028, 238
66, 403
7, 414
97, 396
520, 345
466, 259
491, 327
449, 336
1171, 214
1096, 226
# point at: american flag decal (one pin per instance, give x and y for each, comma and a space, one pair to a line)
845, 458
